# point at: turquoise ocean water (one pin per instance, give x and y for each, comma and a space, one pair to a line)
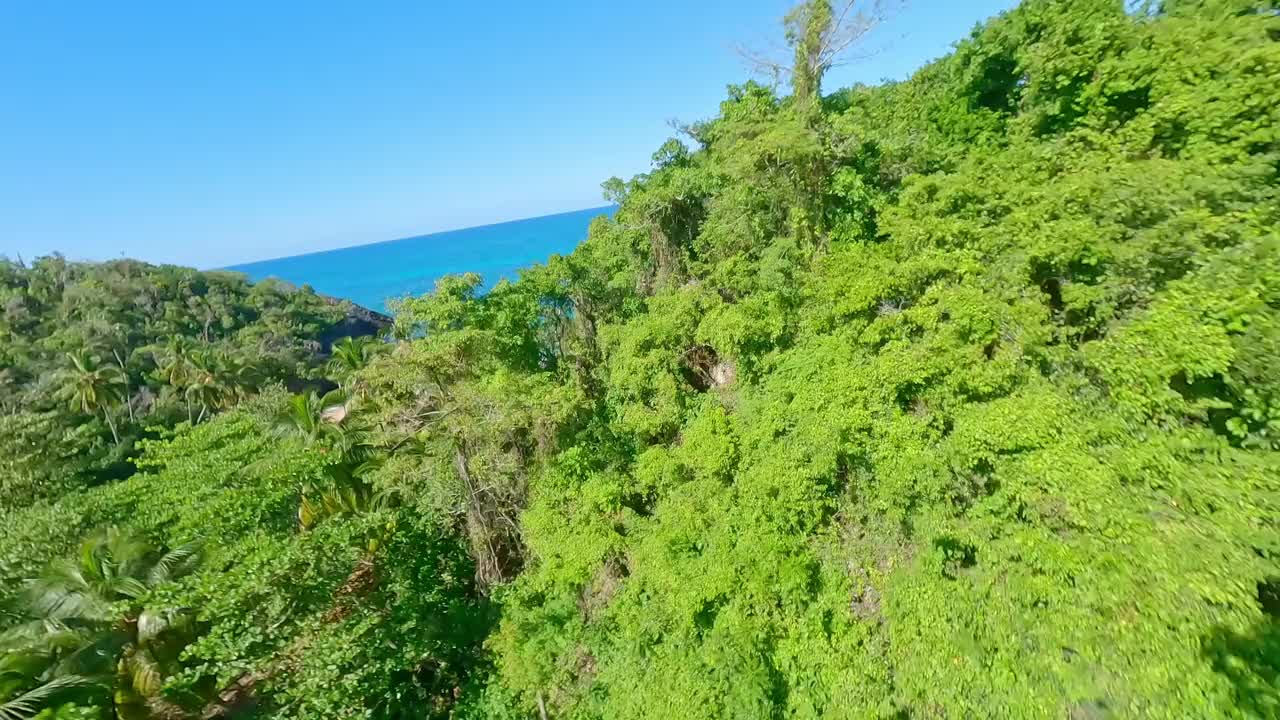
369, 275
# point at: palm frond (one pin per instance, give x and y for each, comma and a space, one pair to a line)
56, 602
384, 499
65, 573
174, 564
130, 587
123, 550
334, 397
308, 513
40, 636
21, 664
368, 466
20, 636
30, 703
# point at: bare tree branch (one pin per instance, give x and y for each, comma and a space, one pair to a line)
819, 37
759, 63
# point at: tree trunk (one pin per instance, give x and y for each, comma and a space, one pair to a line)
480, 528
128, 394
115, 436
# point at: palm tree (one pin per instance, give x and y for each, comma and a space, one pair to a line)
351, 354
92, 387
113, 336
322, 421
243, 375
173, 367
207, 385
349, 495
302, 418
174, 361
87, 624
315, 418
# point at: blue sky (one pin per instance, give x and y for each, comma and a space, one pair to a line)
221, 132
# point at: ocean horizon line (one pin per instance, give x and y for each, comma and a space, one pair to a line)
236, 267
373, 274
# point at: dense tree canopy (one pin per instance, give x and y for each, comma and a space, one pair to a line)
92, 355
953, 397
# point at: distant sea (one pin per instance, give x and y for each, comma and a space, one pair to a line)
370, 275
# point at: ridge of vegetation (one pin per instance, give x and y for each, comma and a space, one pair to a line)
952, 397
96, 357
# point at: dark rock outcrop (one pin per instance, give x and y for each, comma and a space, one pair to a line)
358, 322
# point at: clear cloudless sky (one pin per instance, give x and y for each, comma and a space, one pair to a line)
210, 133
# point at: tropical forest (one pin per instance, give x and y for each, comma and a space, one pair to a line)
950, 397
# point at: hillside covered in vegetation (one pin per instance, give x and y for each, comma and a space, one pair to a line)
954, 397
94, 356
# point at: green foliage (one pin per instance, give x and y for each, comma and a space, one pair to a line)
87, 619
953, 397
1004, 444
300, 622
92, 355
324, 631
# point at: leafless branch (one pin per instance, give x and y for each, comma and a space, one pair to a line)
759, 63
852, 23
